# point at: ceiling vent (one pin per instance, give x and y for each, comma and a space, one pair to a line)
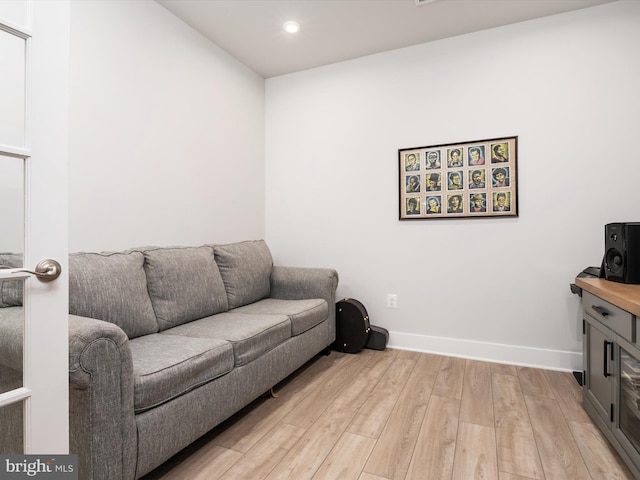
424, 2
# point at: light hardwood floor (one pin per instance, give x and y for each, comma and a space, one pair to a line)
399, 415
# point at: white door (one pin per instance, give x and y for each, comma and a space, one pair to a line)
34, 70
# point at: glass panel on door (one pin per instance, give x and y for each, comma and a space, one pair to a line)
11, 290
630, 397
11, 343
12, 432
12, 89
12, 208
11, 301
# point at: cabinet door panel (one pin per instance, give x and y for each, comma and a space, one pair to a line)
599, 368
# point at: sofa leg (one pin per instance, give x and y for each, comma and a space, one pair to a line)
273, 394
327, 351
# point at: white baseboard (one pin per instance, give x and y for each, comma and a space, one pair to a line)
489, 352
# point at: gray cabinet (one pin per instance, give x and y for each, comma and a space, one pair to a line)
611, 385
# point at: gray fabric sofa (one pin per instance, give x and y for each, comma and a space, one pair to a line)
166, 343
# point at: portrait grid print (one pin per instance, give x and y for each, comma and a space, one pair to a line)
468, 179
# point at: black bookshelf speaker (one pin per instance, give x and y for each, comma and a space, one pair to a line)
622, 252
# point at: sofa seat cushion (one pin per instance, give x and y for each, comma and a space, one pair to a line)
250, 335
304, 314
184, 284
112, 286
166, 366
246, 271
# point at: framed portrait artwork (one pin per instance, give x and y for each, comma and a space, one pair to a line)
476, 179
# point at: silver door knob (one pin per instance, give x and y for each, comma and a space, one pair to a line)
46, 271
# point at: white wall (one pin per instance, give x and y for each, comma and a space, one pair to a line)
494, 289
166, 133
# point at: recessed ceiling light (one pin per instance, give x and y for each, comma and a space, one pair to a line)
291, 27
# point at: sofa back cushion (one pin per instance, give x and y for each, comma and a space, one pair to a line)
184, 284
246, 271
112, 286
11, 290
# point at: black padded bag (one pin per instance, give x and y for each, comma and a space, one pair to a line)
352, 326
378, 338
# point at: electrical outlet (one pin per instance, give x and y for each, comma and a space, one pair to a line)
392, 300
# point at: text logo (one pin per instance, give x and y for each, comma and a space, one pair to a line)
49, 467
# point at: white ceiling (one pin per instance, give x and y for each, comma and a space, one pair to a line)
337, 30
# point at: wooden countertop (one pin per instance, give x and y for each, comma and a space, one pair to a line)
622, 295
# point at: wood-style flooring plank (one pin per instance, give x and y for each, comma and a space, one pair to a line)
602, 460
311, 406
373, 415
510, 476
434, 452
265, 455
508, 401
408, 355
503, 369
243, 431
568, 394
450, 378
475, 456
346, 460
368, 476
477, 398
560, 456
515, 441
517, 451
209, 462
392, 453
429, 363
534, 382
306, 456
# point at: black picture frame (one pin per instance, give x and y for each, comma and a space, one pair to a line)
476, 179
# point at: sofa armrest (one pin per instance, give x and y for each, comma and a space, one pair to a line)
298, 283
101, 417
